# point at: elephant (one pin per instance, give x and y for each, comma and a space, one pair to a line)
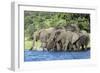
82, 42
67, 38
62, 39
42, 35
61, 36
51, 43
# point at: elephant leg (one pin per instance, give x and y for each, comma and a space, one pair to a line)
55, 47
70, 46
43, 46
65, 47
82, 47
74, 47
85, 47
58, 47
77, 46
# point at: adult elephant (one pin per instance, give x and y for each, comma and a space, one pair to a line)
52, 44
43, 36
67, 39
62, 40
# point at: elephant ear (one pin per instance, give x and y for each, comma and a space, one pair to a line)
75, 37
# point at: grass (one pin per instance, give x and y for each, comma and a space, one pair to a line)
28, 44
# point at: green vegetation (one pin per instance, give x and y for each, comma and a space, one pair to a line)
28, 43
35, 20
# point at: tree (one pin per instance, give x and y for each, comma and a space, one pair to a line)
36, 20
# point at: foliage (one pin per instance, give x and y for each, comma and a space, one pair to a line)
35, 20
28, 44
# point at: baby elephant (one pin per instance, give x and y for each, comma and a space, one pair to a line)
81, 43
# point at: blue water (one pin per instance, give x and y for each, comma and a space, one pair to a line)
47, 56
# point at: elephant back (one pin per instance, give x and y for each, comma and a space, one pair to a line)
72, 27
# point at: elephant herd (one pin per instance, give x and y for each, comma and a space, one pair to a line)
66, 38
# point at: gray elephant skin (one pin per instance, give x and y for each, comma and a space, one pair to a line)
67, 38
